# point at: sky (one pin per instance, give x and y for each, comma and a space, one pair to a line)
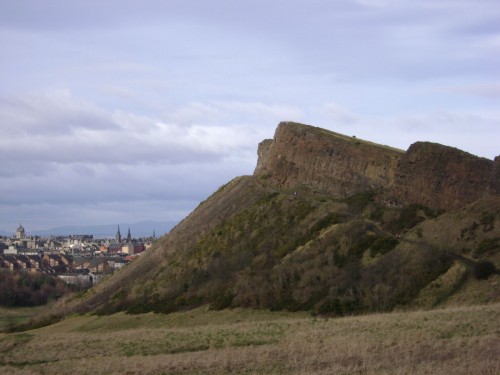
128, 110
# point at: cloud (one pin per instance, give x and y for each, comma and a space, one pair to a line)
39, 215
457, 128
198, 112
485, 90
339, 115
263, 111
119, 91
56, 112
90, 156
59, 129
375, 3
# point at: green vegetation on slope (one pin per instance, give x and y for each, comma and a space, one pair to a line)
251, 245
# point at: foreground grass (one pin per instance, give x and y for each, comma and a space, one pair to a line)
456, 340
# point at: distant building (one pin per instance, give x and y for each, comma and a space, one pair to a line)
128, 248
81, 237
114, 248
139, 248
12, 249
20, 234
32, 243
118, 235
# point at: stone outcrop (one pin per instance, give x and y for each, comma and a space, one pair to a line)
442, 176
301, 155
428, 173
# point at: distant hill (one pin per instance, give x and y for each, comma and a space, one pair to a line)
327, 223
140, 229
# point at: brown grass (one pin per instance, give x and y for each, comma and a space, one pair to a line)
456, 340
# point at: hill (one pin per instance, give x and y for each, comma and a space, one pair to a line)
327, 223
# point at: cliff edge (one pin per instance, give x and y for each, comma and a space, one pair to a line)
327, 162
428, 173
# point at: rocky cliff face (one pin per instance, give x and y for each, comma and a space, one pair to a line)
428, 173
444, 177
324, 161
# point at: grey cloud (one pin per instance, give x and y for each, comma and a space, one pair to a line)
75, 185
56, 112
72, 133
135, 158
340, 116
486, 90
457, 128
46, 215
115, 150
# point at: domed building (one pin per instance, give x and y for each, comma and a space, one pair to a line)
20, 234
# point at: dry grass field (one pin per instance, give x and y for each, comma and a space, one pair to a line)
463, 340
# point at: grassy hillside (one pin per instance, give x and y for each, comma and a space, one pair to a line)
456, 341
252, 245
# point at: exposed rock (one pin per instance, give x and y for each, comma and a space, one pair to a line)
324, 161
428, 173
442, 176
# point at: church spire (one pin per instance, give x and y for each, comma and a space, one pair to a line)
118, 235
129, 237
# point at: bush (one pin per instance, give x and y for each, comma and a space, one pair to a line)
376, 244
488, 221
18, 288
36, 323
383, 245
330, 307
483, 270
222, 300
487, 246
411, 215
325, 222
359, 201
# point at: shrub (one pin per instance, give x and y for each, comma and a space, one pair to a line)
360, 200
487, 246
222, 300
488, 221
36, 323
376, 244
383, 245
377, 214
412, 215
330, 307
483, 270
18, 288
326, 221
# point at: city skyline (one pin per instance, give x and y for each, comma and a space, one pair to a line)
138, 230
